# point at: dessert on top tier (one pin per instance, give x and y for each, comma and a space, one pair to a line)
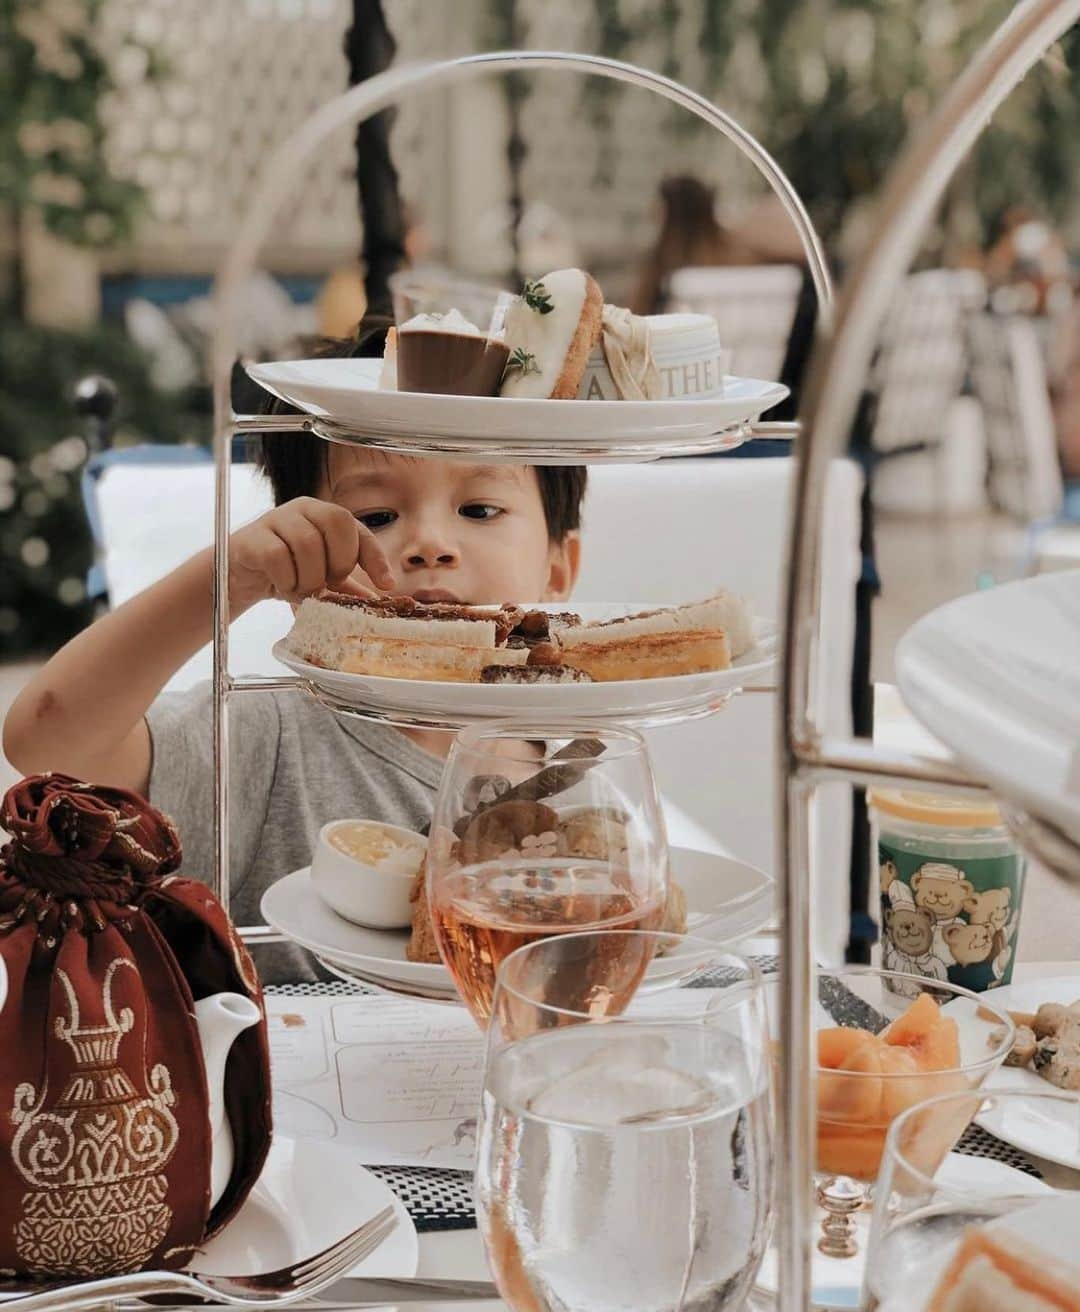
447, 354
559, 341
550, 330
654, 357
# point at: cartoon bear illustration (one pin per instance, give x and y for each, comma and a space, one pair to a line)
972, 947
992, 908
989, 908
909, 938
941, 889
969, 944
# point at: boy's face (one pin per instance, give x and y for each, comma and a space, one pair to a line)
454, 532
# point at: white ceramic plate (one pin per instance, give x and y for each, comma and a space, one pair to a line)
348, 393
726, 900
994, 676
1051, 1131
637, 702
308, 1196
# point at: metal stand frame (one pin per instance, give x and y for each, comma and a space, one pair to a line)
838, 368
280, 180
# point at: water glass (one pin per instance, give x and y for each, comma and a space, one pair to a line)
625, 1155
927, 1196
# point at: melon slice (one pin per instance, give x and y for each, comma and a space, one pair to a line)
836, 1045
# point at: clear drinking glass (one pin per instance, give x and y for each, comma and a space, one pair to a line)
926, 1199
625, 1156
539, 836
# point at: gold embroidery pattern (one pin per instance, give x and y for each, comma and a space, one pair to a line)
94, 1161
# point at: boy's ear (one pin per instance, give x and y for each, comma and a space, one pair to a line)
564, 564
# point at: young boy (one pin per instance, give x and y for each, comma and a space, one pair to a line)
345, 517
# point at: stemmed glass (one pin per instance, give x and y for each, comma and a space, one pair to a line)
861, 1091
624, 1155
862, 1088
535, 836
925, 1200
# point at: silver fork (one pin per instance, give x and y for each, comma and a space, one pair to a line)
265, 1289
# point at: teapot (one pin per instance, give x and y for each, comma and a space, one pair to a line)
220, 1018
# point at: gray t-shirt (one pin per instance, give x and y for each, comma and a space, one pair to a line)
295, 766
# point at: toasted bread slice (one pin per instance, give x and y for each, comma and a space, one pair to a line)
554, 325
723, 613
405, 658
323, 624
650, 656
998, 1272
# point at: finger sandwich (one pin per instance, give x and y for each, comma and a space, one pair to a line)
401, 638
691, 639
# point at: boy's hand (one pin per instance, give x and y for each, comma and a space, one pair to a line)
299, 548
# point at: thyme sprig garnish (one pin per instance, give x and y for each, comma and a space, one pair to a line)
536, 296
523, 360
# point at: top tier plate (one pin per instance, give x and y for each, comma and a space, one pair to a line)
996, 677
347, 405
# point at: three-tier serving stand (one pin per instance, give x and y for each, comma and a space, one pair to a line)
807, 756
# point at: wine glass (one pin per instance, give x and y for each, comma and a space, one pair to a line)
624, 1153
927, 1197
535, 836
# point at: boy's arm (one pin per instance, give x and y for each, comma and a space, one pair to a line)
82, 714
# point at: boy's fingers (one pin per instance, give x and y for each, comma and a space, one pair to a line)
280, 565
371, 557
348, 542
309, 553
356, 584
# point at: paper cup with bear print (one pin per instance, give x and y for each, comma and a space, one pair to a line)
952, 883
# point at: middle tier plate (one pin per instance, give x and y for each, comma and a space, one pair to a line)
640, 703
345, 399
726, 900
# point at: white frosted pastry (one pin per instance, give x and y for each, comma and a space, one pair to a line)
550, 330
685, 349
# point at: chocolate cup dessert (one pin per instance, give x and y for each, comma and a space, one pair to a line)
451, 364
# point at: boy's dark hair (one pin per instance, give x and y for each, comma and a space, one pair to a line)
295, 462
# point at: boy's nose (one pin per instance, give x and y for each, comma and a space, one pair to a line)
427, 559
429, 550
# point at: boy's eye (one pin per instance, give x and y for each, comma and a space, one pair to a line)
478, 510
376, 518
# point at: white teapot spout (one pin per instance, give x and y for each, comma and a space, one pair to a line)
220, 1018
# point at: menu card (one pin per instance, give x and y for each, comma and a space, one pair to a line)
398, 1081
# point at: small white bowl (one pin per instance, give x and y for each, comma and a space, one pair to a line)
360, 885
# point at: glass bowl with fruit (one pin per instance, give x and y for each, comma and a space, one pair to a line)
886, 1041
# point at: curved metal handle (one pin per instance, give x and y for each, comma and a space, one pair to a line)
367, 98
279, 180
